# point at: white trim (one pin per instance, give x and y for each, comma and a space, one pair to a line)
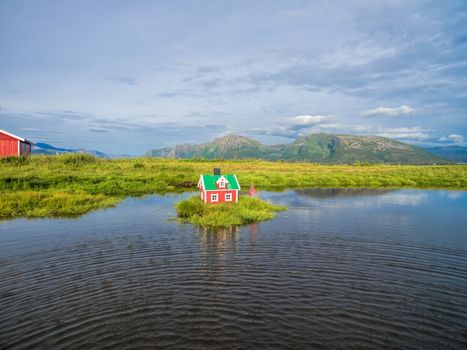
238, 183
230, 197
19, 148
222, 178
217, 197
201, 181
14, 136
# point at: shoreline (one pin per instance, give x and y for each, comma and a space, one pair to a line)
73, 185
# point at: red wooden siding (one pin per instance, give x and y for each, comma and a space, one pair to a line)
8, 146
220, 196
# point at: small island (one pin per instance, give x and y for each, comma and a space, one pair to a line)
248, 210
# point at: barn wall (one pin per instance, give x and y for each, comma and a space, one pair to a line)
8, 146
25, 149
6, 137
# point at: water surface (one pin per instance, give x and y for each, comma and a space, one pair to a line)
363, 269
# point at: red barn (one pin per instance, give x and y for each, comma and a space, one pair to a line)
218, 188
13, 146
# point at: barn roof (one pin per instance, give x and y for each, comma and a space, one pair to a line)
14, 136
209, 182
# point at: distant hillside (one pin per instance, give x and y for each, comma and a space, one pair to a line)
457, 154
228, 147
322, 148
44, 148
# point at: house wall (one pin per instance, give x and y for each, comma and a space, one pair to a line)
221, 196
8, 146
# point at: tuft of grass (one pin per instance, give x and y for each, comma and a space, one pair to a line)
78, 159
248, 210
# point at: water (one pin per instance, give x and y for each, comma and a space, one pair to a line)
363, 269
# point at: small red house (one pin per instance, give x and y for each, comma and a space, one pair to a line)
13, 146
218, 188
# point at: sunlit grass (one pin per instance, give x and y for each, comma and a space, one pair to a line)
248, 210
45, 204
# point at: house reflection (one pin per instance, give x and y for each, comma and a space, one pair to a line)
218, 240
223, 244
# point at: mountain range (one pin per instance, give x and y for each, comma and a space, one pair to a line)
320, 148
45, 148
457, 154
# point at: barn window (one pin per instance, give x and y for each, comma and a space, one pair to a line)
214, 197
228, 197
222, 184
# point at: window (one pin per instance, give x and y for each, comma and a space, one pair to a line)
222, 184
214, 197
228, 197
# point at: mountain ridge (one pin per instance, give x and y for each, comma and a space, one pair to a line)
320, 148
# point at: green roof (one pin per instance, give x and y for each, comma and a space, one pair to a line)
210, 182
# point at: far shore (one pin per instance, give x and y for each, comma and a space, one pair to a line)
71, 185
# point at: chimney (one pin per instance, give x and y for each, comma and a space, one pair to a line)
217, 171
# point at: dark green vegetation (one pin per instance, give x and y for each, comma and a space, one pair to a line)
457, 154
322, 148
248, 210
75, 184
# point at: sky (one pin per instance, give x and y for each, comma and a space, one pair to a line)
124, 77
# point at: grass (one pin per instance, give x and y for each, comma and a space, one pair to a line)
248, 210
71, 184
44, 204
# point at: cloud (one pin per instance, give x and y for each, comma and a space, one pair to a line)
97, 129
304, 121
415, 133
453, 138
293, 127
124, 80
385, 111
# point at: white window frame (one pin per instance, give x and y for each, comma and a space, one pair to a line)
216, 196
222, 184
228, 197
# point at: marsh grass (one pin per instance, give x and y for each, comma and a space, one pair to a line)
248, 210
104, 182
46, 204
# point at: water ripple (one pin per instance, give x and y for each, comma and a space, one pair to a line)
297, 282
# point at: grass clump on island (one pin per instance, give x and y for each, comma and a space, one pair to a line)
248, 210
74, 184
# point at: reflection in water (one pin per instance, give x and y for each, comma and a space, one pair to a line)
215, 241
339, 269
341, 192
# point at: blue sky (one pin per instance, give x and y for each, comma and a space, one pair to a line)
127, 76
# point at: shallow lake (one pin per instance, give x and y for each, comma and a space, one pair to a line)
363, 269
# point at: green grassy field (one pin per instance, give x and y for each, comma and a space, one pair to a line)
68, 185
248, 210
